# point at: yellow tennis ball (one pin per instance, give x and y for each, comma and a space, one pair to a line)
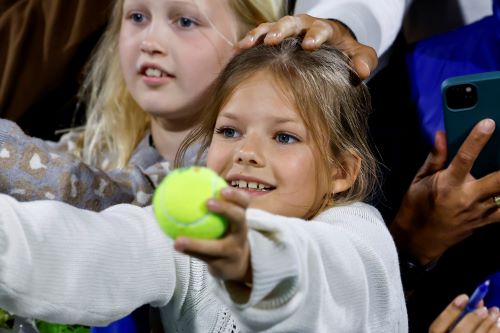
180, 203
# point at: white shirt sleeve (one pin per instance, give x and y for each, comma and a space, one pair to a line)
340, 271
67, 265
374, 22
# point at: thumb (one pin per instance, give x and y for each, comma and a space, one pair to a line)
436, 159
364, 60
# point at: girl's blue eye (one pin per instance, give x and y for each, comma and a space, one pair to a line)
185, 22
137, 17
227, 132
285, 138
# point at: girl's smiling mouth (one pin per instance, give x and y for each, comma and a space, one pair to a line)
252, 186
155, 75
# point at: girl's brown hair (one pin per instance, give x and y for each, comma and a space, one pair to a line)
326, 92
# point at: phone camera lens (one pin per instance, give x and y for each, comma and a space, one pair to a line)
462, 96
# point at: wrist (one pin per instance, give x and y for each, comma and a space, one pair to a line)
240, 289
412, 272
415, 244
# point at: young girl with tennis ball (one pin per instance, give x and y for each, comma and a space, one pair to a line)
145, 86
136, 120
302, 252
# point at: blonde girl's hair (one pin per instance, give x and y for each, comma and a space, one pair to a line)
329, 97
253, 12
115, 123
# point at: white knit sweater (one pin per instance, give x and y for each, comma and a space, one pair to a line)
338, 273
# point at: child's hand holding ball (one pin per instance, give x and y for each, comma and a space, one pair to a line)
180, 203
206, 217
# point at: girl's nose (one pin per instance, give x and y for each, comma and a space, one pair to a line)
249, 153
154, 35
152, 47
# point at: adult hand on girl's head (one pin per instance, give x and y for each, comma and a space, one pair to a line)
228, 258
316, 32
480, 320
443, 206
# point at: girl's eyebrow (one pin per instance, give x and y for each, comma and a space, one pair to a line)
199, 6
284, 120
278, 120
227, 115
173, 4
170, 4
184, 3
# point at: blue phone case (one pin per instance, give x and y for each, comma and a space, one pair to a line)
459, 120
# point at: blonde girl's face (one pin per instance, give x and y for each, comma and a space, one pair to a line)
262, 146
172, 50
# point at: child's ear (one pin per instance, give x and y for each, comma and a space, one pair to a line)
344, 174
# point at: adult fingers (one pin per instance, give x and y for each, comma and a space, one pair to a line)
491, 215
488, 186
319, 32
449, 315
316, 31
363, 57
364, 60
254, 36
285, 27
436, 159
463, 161
274, 32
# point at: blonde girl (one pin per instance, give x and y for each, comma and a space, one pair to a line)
135, 120
116, 123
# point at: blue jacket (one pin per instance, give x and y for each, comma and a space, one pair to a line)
473, 48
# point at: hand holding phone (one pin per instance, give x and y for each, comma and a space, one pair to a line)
467, 100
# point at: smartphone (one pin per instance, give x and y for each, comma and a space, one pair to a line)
467, 100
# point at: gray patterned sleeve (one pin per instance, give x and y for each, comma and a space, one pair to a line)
33, 169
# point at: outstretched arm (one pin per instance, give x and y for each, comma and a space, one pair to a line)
67, 265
